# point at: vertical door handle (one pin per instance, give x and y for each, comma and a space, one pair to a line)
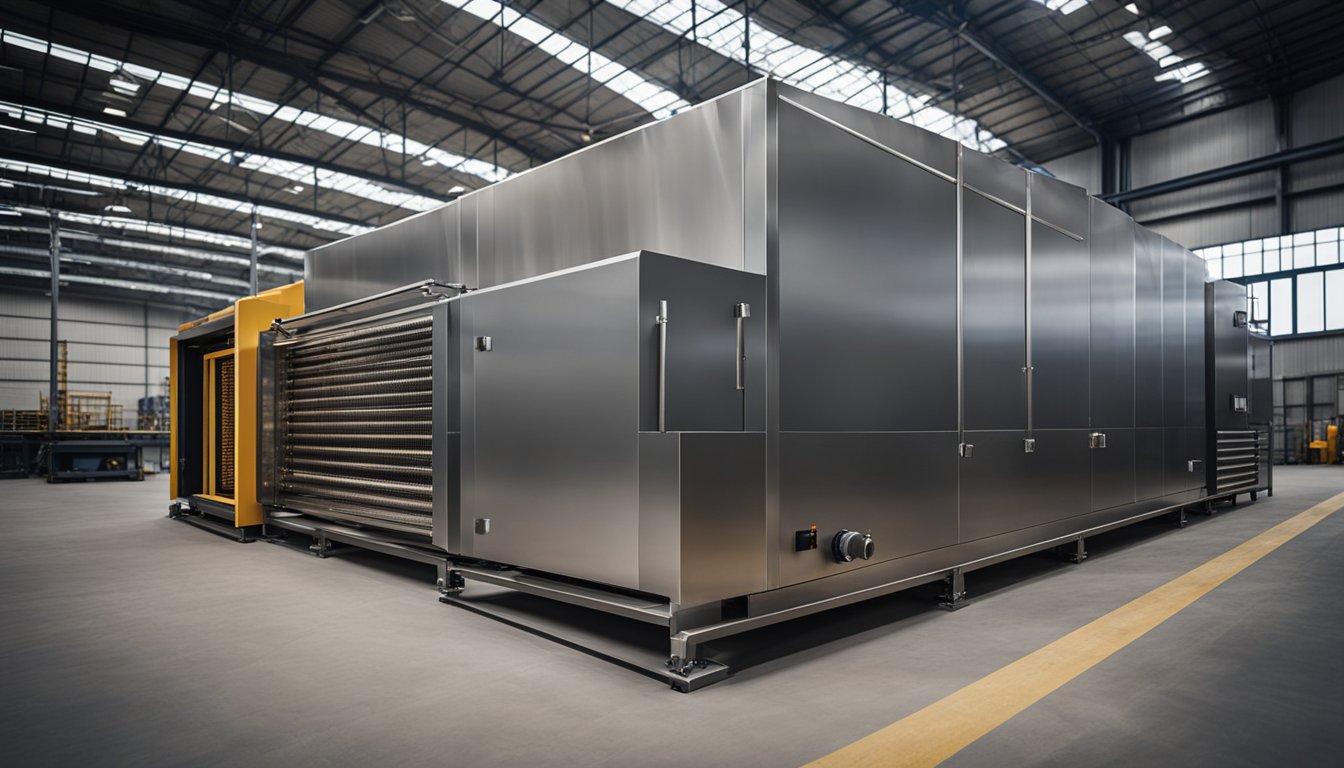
661, 321
741, 312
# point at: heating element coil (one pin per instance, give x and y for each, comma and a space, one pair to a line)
355, 445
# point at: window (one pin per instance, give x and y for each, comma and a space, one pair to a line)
1334, 300
1311, 302
1281, 307
1257, 295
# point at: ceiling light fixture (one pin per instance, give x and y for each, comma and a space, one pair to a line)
296, 189
457, 189
114, 111
6, 184
9, 210
1132, 8
1159, 33
125, 86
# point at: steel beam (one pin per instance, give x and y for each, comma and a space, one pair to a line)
1235, 170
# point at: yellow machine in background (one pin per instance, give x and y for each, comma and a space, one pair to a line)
213, 402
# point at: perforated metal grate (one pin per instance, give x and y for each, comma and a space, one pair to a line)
224, 415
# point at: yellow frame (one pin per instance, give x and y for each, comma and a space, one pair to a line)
208, 479
251, 316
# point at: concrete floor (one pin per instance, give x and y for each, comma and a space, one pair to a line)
130, 639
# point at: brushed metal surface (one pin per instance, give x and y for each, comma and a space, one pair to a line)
994, 336
660, 514
446, 440
1229, 371
1149, 464
1059, 329
1173, 336
994, 177
412, 249
901, 487
556, 449
674, 187
1059, 203
722, 516
1004, 489
1262, 382
702, 394
1112, 291
923, 146
866, 277
1114, 469
1195, 382
1148, 315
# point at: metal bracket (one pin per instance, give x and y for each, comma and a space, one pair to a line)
484, 343
965, 450
1096, 440
1028, 445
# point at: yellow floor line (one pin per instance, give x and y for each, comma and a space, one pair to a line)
940, 730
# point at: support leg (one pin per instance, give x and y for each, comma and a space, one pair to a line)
450, 582
1076, 553
1181, 519
320, 546
954, 591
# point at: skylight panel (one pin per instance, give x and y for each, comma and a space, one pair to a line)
1168, 60
341, 129
284, 169
723, 29
1065, 7
576, 55
195, 198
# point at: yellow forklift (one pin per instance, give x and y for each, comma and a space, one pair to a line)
213, 406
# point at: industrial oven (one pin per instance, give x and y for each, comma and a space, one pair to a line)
772, 355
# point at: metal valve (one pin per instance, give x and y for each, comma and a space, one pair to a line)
850, 545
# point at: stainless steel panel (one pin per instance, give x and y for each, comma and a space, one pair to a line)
994, 299
1262, 383
1148, 463
1196, 449
994, 177
1182, 445
410, 250
1004, 489
1195, 383
555, 443
1228, 355
1113, 469
923, 146
468, 238
1112, 318
867, 285
1059, 203
1059, 329
901, 487
701, 360
660, 514
1148, 339
757, 174
1173, 335
447, 435
723, 543
674, 187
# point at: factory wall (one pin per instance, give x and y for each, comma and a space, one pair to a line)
1242, 208
114, 346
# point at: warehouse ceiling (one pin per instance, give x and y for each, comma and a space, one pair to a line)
327, 117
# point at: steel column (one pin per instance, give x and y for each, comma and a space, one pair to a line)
55, 241
252, 257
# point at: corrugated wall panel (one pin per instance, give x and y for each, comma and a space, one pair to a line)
1211, 142
1247, 189
1308, 357
1317, 211
1217, 227
1317, 113
1081, 169
106, 340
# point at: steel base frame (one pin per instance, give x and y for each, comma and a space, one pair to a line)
203, 516
685, 668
